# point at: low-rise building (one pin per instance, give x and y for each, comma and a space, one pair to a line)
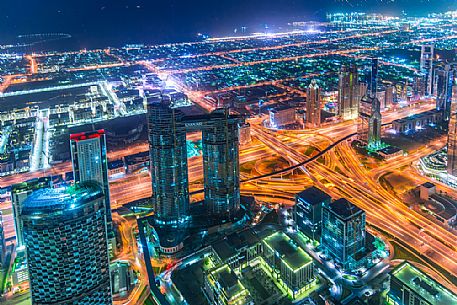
282, 116
291, 263
222, 287
409, 285
416, 122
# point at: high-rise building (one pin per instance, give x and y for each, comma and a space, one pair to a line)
2, 242
313, 105
19, 193
444, 80
221, 163
426, 67
343, 232
374, 125
308, 211
88, 157
348, 92
369, 127
66, 241
452, 142
245, 133
168, 162
390, 97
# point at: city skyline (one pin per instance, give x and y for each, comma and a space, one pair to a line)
308, 163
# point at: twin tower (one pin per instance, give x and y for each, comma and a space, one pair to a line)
167, 127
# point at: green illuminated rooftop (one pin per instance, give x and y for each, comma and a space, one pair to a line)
294, 256
423, 285
228, 281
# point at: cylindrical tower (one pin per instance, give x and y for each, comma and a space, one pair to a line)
65, 236
220, 141
168, 157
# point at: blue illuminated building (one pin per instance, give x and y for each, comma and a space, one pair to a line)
343, 232
308, 211
65, 236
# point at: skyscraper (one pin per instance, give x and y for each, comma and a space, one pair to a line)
65, 235
88, 157
374, 125
168, 157
426, 67
19, 193
221, 163
444, 80
452, 142
348, 92
369, 127
313, 105
343, 231
2, 242
308, 211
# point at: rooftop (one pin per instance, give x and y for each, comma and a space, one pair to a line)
428, 185
344, 208
423, 285
53, 200
229, 283
294, 256
314, 196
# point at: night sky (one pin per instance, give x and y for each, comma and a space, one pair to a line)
94, 23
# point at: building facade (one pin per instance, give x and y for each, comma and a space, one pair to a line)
343, 232
19, 193
282, 116
348, 92
88, 157
452, 142
426, 67
66, 241
221, 163
369, 126
444, 80
409, 285
168, 162
313, 105
308, 211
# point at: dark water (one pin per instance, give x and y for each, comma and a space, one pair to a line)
100, 23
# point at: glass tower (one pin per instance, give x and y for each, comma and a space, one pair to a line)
343, 231
88, 156
65, 235
444, 82
168, 155
220, 139
313, 105
348, 92
19, 193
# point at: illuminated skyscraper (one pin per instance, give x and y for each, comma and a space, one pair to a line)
369, 127
88, 157
221, 163
452, 143
168, 157
308, 211
65, 235
343, 231
444, 80
348, 92
19, 193
426, 67
374, 125
313, 105
2, 242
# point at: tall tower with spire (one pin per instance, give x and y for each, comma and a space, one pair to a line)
369, 127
